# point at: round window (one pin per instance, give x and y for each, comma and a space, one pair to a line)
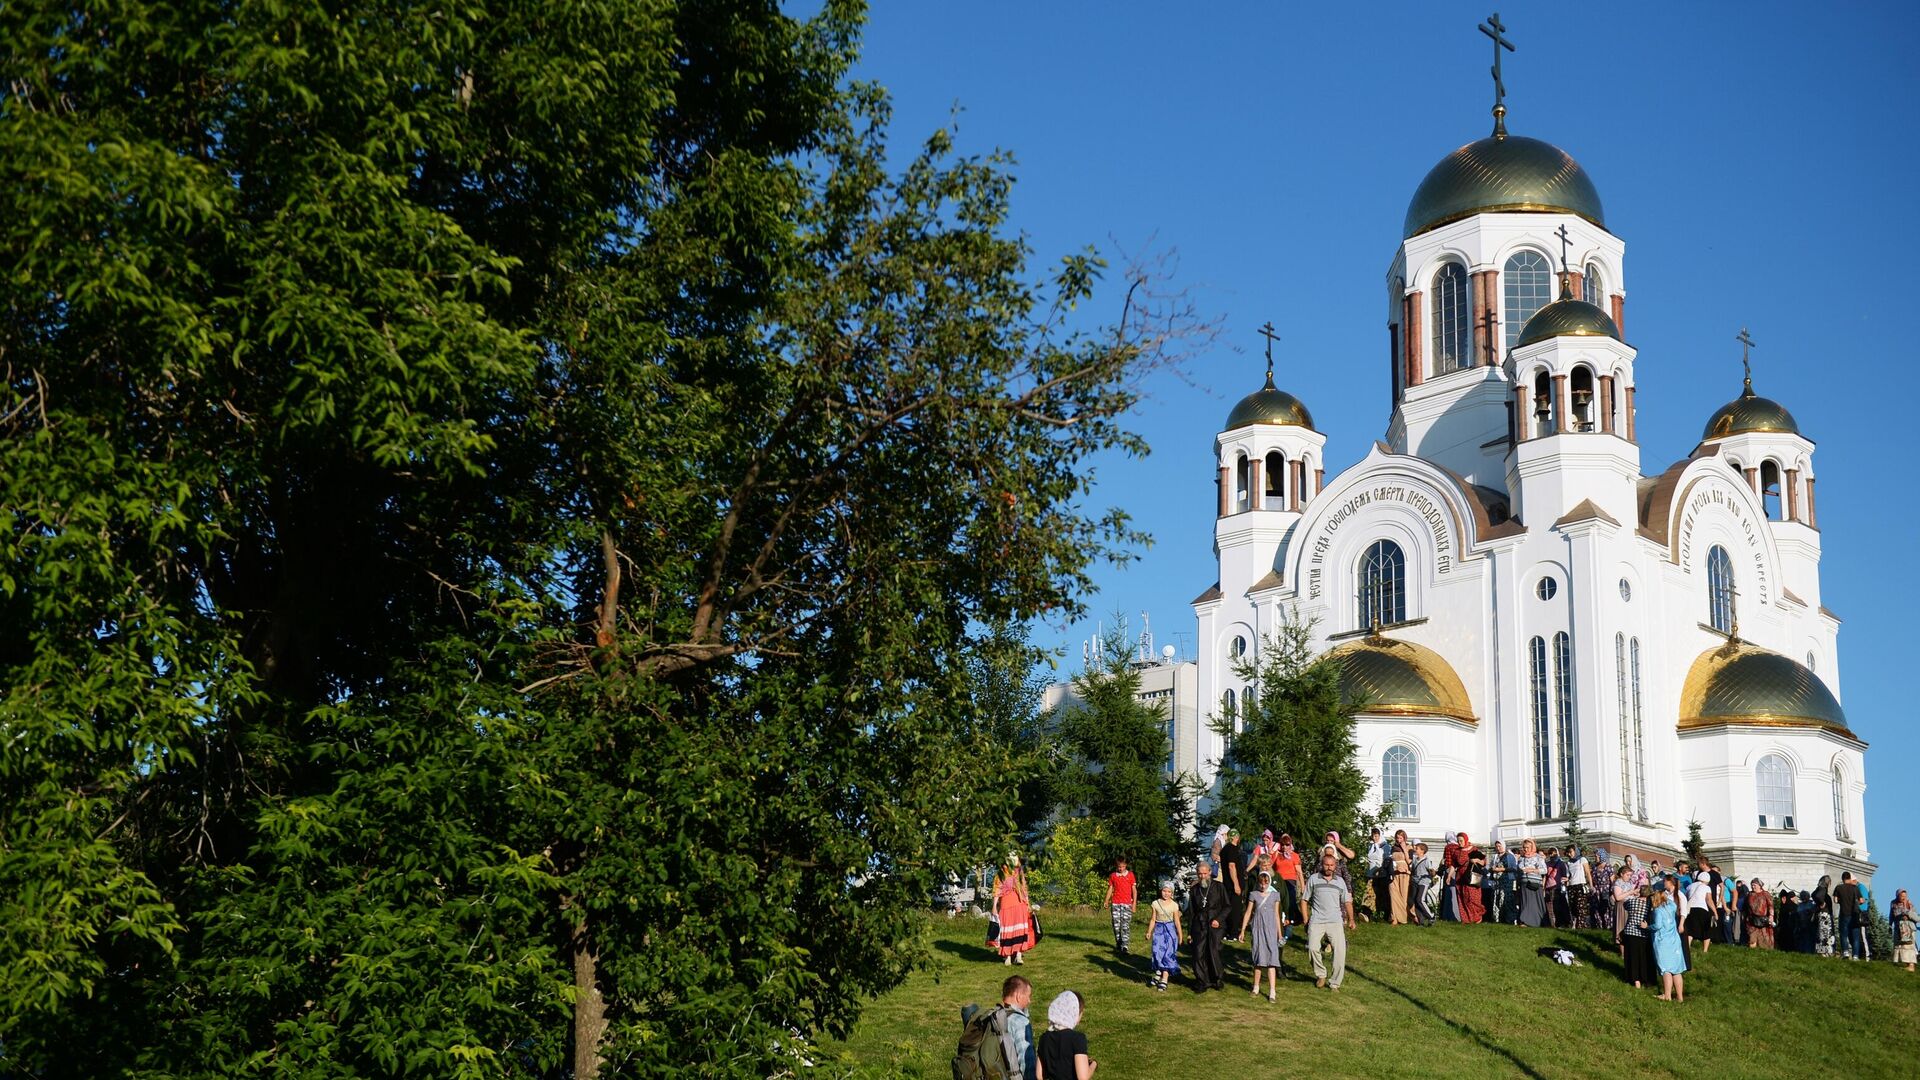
1546, 588
1239, 646
1626, 589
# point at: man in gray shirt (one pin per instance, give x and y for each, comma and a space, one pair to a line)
1016, 1036
1329, 905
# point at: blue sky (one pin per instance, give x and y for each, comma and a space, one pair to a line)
1759, 160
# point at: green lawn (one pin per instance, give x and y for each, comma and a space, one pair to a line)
1447, 1001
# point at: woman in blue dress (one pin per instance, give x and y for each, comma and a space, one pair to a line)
1263, 915
1164, 937
1668, 952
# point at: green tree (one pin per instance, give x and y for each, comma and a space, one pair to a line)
1069, 870
1290, 762
1117, 750
498, 503
1007, 688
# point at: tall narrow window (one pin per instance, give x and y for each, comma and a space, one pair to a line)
1581, 386
1275, 482
1543, 406
1400, 782
1770, 490
1839, 805
1452, 320
1242, 483
1639, 734
1720, 589
1528, 281
1773, 783
1620, 697
1383, 585
1591, 288
1542, 733
1566, 732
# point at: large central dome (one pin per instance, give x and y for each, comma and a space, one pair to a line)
1503, 175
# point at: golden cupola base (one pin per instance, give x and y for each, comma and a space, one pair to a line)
1385, 677
1739, 683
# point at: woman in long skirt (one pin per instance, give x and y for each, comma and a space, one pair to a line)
1473, 902
1164, 936
1400, 885
1014, 910
1668, 952
1533, 893
1263, 916
1636, 948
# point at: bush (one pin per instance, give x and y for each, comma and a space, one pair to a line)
1066, 871
1879, 935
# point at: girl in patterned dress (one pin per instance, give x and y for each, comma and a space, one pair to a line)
1164, 937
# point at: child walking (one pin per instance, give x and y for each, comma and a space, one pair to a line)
1422, 881
1164, 937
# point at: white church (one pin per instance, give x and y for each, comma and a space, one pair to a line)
1530, 618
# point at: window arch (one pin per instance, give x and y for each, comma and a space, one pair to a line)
1840, 805
1528, 282
1452, 319
1276, 481
1543, 406
1773, 784
1242, 483
1581, 387
1720, 589
1566, 731
1400, 782
1770, 489
1592, 289
1542, 733
1383, 585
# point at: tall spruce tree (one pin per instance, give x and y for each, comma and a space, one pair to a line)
1007, 689
1118, 749
498, 503
1290, 763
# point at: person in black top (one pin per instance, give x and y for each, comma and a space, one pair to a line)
1207, 907
1228, 872
1063, 1050
1853, 931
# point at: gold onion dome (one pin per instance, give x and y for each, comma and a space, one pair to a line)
1503, 174
1269, 405
1567, 317
1749, 412
1383, 676
1740, 683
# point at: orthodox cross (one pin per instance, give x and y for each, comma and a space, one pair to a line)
1493, 346
1266, 331
1746, 354
1561, 232
1493, 29
1733, 612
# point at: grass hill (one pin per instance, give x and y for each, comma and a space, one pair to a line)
1450, 1001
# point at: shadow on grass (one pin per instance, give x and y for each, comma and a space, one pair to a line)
1463, 1028
966, 950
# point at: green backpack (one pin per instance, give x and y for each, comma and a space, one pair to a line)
981, 1054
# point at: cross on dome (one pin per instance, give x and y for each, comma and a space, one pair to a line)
1499, 85
1746, 358
1267, 331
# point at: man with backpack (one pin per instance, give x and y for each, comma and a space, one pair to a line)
997, 1043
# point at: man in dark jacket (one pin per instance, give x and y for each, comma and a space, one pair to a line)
1207, 908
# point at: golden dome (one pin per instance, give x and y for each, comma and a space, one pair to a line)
1269, 405
1740, 683
1749, 412
1398, 678
1503, 174
1567, 317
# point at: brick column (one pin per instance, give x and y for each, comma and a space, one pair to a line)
1489, 289
1813, 518
1226, 490
1630, 411
1576, 282
1753, 480
1620, 314
1416, 364
1560, 404
1606, 404
1522, 419
1793, 494
1255, 492
1319, 480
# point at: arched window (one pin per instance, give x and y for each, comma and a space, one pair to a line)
1543, 406
1542, 732
1565, 732
1276, 480
1773, 783
1452, 320
1383, 585
1400, 782
1242, 483
1528, 282
1620, 697
1639, 733
1720, 589
1581, 388
1592, 290
1770, 489
1839, 805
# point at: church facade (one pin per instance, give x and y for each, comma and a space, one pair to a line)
1530, 619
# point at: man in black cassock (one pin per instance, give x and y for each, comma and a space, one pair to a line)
1207, 910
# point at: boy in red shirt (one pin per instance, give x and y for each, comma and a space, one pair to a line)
1120, 903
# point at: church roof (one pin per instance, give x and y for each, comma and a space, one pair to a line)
1742, 683
1587, 510
1269, 405
1384, 676
1503, 174
1749, 412
1567, 317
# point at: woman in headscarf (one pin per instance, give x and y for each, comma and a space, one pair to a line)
1063, 1049
1533, 889
1013, 909
1901, 918
1823, 936
1472, 882
1636, 947
1219, 841
1163, 937
1400, 878
1263, 917
1759, 917
1623, 896
1668, 953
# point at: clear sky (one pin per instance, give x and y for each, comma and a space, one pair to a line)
1761, 161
